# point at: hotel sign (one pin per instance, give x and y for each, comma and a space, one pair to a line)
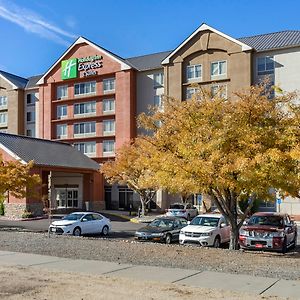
89, 65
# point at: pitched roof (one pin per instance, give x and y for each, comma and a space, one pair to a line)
45, 152
204, 27
124, 64
148, 62
275, 40
16, 81
32, 81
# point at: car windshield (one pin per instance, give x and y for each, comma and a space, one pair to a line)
205, 221
72, 217
162, 223
266, 220
176, 206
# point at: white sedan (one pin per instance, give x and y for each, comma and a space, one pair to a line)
79, 223
182, 210
206, 230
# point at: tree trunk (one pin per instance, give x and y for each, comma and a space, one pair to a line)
234, 235
143, 207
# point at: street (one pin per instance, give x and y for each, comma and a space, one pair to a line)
121, 228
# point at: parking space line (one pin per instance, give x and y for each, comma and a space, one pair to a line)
187, 276
269, 287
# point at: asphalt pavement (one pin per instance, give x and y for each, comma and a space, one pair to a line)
122, 228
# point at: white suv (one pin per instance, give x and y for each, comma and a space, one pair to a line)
183, 210
206, 230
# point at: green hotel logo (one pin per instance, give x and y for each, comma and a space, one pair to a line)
69, 69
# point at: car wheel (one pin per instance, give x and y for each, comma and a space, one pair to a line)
217, 242
105, 230
77, 231
284, 246
168, 238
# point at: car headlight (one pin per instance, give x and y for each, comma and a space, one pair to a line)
157, 234
182, 232
276, 234
244, 232
206, 233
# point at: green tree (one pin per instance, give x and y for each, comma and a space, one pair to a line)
230, 149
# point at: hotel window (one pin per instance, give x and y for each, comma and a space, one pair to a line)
108, 105
61, 111
30, 99
220, 90
194, 72
190, 92
158, 102
3, 130
3, 118
3, 102
29, 132
108, 147
158, 79
30, 116
265, 65
85, 129
108, 85
88, 148
108, 127
86, 108
85, 88
62, 92
61, 131
218, 68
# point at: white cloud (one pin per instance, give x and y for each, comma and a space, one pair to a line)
34, 23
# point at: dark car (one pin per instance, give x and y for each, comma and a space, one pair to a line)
165, 229
269, 231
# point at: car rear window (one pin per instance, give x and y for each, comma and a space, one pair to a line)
176, 206
266, 220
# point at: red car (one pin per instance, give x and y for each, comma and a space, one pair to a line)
269, 231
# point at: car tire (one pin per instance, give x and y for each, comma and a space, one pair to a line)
168, 239
105, 230
284, 246
217, 242
77, 231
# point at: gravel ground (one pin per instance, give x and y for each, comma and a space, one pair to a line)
266, 264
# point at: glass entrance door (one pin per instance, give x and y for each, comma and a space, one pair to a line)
66, 197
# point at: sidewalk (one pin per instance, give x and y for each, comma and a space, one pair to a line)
206, 279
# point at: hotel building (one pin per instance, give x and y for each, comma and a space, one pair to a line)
91, 97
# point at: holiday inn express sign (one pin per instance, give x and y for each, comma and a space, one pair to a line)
89, 64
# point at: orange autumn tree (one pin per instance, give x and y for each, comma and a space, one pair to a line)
230, 149
16, 179
131, 168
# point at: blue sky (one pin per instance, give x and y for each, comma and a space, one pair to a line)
35, 33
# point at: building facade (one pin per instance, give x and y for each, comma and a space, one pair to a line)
91, 97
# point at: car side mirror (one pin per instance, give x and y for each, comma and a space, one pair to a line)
223, 225
188, 222
245, 222
84, 220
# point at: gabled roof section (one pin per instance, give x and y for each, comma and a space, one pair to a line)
202, 28
148, 62
32, 82
17, 82
274, 40
45, 152
124, 65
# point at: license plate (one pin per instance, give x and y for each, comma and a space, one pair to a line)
258, 245
53, 229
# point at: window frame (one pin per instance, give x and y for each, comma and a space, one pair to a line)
106, 132
62, 136
112, 100
91, 85
84, 124
58, 116
219, 74
5, 117
158, 79
265, 71
111, 90
108, 153
3, 106
84, 105
194, 72
60, 87
85, 145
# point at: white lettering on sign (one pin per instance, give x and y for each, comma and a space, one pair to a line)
89, 64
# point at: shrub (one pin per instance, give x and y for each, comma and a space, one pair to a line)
26, 214
1, 207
